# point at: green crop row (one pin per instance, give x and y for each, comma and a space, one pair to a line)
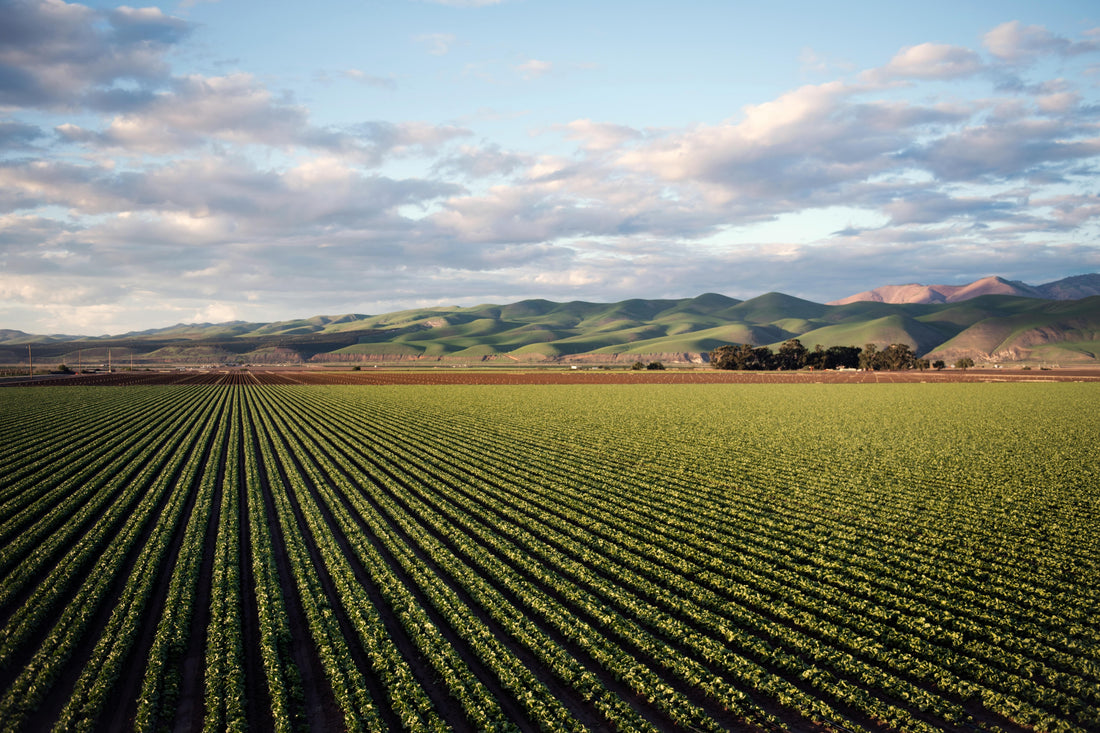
632, 557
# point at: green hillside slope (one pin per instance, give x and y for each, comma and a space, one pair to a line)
988, 328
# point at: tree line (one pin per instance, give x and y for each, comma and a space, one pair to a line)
792, 354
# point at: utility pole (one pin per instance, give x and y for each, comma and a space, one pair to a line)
30, 364
108, 359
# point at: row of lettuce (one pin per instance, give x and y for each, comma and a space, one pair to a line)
544, 558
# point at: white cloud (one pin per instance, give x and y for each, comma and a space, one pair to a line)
1015, 42
215, 313
533, 68
237, 109
474, 161
1058, 103
597, 136
233, 108
930, 61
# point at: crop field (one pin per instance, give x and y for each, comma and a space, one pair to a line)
636, 557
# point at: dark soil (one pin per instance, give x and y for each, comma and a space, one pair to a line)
444, 376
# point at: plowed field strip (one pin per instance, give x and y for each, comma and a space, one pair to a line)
452, 377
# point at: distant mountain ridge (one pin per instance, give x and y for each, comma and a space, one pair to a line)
1070, 288
992, 327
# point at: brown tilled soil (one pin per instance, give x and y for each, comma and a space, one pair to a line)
427, 376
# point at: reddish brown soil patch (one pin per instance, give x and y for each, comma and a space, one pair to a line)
443, 376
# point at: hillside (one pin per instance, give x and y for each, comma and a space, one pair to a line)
1070, 288
985, 328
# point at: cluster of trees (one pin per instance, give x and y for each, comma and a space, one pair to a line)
894, 357
652, 366
793, 355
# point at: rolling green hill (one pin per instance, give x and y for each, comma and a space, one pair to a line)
986, 328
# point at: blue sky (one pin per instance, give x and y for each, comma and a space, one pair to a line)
209, 161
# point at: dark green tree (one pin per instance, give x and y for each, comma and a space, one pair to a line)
893, 357
847, 357
816, 359
722, 357
868, 358
896, 357
742, 357
760, 358
791, 355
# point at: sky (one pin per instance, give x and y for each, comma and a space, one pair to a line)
198, 161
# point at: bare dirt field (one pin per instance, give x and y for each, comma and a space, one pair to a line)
242, 376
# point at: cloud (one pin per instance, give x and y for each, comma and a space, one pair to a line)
54, 54
439, 44
17, 135
797, 150
472, 161
1011, 150
183, 195
31, 184
216, 198
597, 136
930, 61
382, 82
533, 68
237, 109
933, 207
197, 109
215, 313
554, 198
146, 26
1016, 43
377, 140
812, 62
